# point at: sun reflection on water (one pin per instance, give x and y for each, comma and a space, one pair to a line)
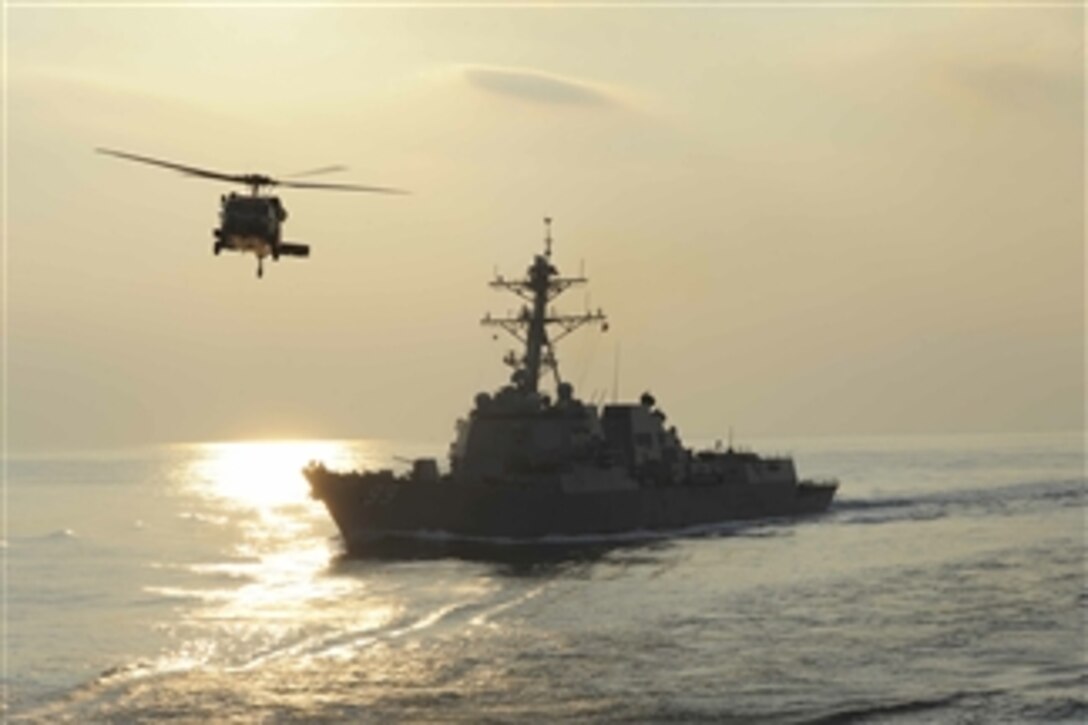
266, 579
262, 474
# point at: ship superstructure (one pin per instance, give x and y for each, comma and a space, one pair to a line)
526, 465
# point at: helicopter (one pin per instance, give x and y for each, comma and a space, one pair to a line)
252, 222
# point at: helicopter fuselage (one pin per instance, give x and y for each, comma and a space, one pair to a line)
252, 223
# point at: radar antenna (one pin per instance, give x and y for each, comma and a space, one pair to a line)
542, 285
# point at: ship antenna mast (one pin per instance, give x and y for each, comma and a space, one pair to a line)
542, 285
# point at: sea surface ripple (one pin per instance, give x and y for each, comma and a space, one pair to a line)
200, 583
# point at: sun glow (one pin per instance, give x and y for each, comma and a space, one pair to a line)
273, 571
263, 474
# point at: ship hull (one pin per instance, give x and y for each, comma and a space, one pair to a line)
366, 510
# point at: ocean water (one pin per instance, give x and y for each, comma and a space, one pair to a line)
200, 583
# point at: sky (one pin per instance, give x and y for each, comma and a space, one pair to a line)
812, 219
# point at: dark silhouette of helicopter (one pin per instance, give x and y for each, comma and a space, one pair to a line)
253, 222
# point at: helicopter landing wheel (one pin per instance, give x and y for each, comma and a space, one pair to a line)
217, 248
260, 269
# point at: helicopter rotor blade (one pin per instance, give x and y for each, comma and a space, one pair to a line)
339, 187
322, 170
190, 170
253, 180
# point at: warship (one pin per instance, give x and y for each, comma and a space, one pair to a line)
529, 467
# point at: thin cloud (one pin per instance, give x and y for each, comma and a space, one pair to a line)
1020, 84
531, 85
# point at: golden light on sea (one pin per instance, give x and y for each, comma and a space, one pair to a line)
273, 573
263, 474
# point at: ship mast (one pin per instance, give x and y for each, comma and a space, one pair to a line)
542, 285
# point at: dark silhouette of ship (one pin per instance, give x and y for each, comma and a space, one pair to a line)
527, 467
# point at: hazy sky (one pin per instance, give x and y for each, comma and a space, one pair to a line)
800, 220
